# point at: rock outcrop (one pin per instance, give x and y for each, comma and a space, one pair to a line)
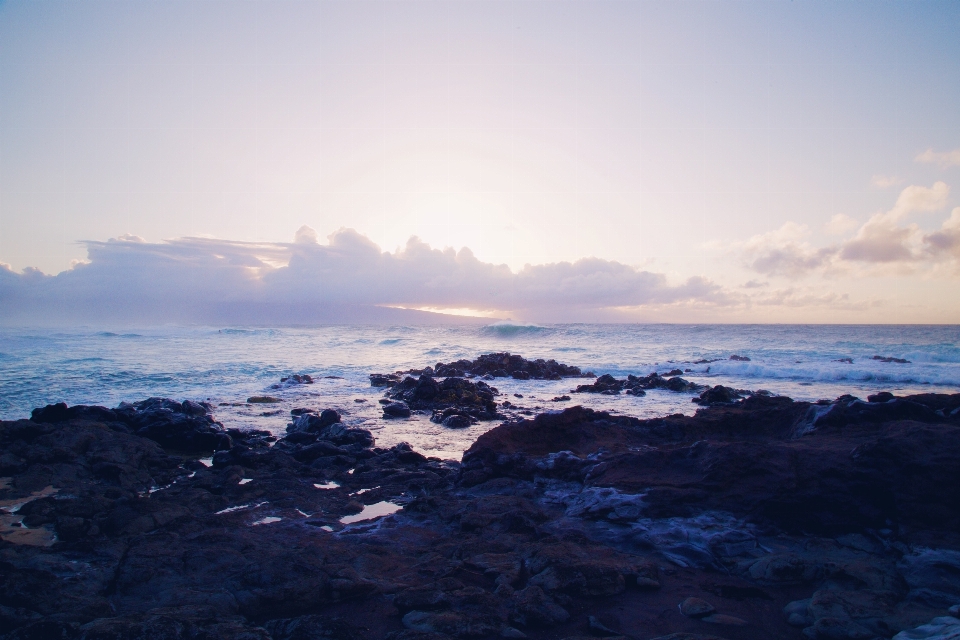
607, 384
451, 396
489, 365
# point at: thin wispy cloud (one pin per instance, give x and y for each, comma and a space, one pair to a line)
884, 182
942, 158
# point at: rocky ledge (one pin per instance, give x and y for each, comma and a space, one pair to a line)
489, 366
759, 517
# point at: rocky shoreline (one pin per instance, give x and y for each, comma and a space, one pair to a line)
759, 517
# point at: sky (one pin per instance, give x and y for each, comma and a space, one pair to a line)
590, 160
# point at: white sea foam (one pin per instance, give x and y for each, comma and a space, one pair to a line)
226, 366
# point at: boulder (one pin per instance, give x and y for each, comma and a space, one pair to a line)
396, 410
307, 421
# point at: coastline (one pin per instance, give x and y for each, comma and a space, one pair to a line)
786, 519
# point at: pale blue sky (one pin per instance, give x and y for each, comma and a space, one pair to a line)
676, 137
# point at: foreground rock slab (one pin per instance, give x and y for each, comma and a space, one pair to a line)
759, 517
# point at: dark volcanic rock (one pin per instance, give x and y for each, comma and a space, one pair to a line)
890, 359
185, 426
855, 465
396, 410
634, 385
718, 395
763, 516
298, 378
462, 396
307, 421
384, 379
501, 365
489, 365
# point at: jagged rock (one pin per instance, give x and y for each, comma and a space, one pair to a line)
298, 378
718, 395
384, 379
852, 506
862, 465
501, 365
474, 399
456, 421
307, 421
607, 384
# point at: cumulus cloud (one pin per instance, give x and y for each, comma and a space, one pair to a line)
920, 199
840, 224
942, 158
884, 240
785, 252
946, 241
348, 279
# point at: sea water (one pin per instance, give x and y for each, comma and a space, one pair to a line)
226, 365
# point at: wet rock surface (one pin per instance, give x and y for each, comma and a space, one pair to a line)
635, 385
445, 398
489, 365
759, 517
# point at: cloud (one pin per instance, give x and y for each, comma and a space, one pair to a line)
946, 241
918, 199
883, 182
350, 279
943, 158
883, 240
840, 224
785, 252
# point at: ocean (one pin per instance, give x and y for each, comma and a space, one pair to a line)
226, 365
